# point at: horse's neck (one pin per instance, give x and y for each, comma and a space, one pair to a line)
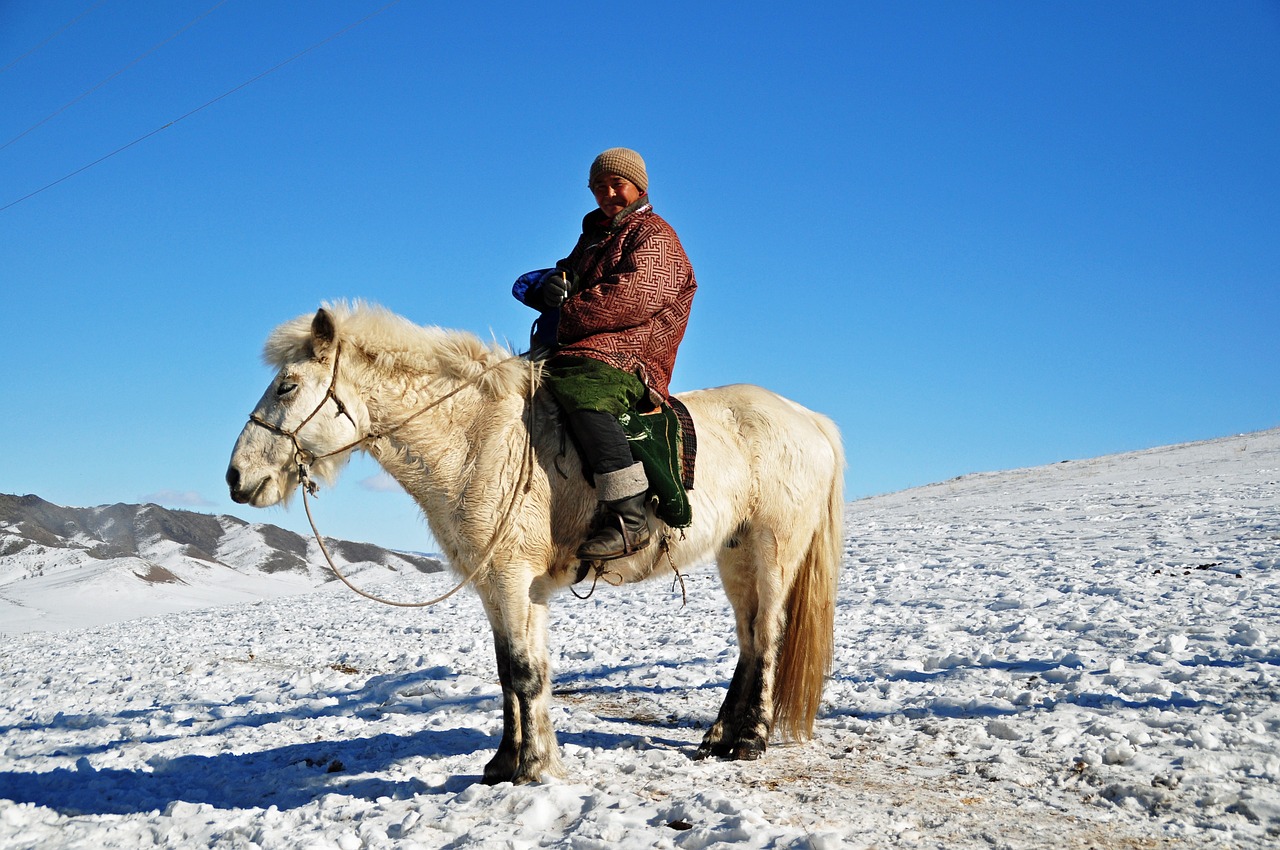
437, 431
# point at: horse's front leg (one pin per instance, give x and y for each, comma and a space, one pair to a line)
503, 764
528, 749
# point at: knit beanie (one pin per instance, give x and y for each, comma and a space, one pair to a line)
623, 162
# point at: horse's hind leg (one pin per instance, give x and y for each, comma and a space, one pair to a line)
754, 585
740, 730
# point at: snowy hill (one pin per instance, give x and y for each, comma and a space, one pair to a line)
74, 567
1080, 655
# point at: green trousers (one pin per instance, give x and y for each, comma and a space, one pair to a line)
581, 383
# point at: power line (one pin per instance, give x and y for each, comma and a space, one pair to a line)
204, 106
68, 25
188, 25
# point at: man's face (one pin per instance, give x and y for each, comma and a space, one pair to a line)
614, 193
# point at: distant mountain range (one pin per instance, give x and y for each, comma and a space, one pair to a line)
92, 561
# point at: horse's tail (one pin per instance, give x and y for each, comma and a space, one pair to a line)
809, 641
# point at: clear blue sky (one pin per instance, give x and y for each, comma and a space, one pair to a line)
980, 235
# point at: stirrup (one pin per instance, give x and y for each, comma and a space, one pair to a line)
596, 568
631, 542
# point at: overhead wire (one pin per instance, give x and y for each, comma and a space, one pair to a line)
61, 109
68, 25
204, 106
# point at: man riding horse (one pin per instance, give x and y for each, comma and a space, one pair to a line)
613, 314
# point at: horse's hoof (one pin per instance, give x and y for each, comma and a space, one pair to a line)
749, 751
520, 778
499, 769
720, 750
493, 778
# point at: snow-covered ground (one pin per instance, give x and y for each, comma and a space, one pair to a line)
1074, 656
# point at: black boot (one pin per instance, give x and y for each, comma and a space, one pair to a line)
624, 531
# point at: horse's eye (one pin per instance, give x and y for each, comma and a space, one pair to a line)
285, 388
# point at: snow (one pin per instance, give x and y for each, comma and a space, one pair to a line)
1078, 655
70, 584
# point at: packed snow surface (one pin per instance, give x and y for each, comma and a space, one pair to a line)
1079, 655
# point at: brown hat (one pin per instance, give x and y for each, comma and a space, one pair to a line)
623, 162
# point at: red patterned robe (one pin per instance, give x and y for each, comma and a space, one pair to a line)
635, 291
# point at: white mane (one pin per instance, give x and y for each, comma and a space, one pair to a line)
394, 345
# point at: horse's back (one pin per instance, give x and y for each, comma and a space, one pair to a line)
752, 441
760, 419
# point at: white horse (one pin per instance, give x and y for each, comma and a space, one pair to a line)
461, 426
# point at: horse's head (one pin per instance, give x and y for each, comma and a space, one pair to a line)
307, 422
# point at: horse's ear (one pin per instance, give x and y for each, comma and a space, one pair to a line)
323, 332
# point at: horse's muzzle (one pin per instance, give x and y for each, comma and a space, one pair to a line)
239, 496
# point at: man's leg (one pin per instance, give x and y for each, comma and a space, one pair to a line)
594, 395
621, 485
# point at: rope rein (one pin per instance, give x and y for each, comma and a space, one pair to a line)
304, 458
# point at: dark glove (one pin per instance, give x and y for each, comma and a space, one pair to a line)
557, 287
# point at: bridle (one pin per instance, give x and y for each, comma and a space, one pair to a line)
304, 458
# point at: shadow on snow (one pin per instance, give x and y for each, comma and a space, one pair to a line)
286, 777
